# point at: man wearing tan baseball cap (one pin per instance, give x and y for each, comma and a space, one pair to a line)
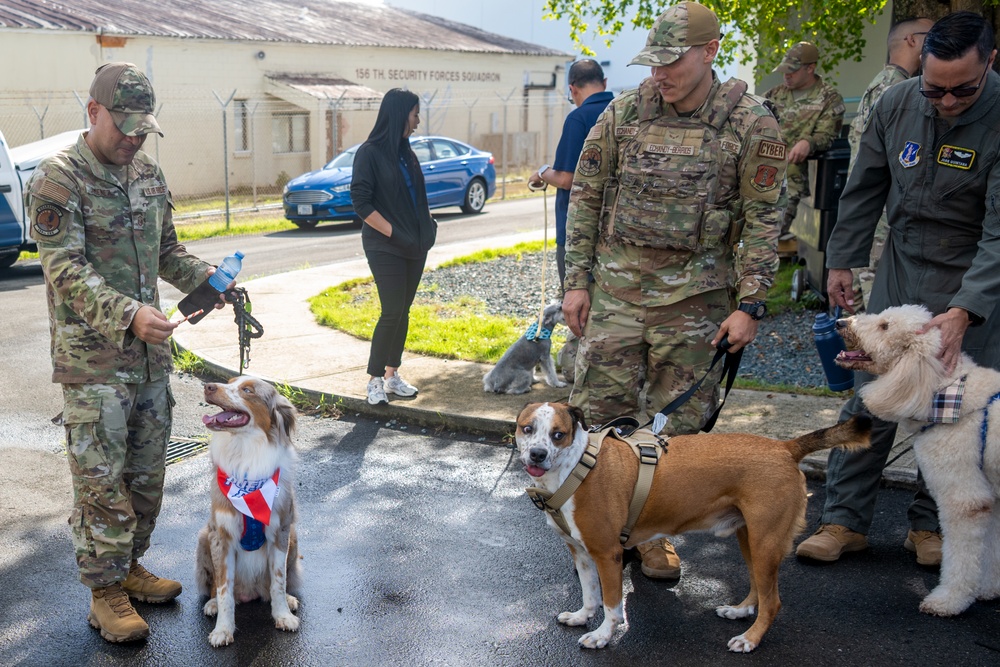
810, 112
672, 178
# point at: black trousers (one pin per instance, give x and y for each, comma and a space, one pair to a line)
397, 279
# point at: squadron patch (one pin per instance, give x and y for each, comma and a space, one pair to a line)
771, 149
764, 179
953, 156
590, 160
48, 218
909, 157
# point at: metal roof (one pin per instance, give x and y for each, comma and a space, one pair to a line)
296, 21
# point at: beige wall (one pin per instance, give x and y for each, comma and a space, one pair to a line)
461, 93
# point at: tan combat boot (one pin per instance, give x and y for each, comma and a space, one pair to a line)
659, 560
145, 586
926, 544
112, 614
830, 542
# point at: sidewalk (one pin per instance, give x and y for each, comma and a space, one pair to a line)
329, 365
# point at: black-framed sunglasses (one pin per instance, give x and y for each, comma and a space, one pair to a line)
961, 91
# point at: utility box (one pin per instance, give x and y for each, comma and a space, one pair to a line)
817, 215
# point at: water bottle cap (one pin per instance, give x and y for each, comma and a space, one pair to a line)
238, 254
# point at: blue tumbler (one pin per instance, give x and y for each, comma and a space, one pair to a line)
829, 344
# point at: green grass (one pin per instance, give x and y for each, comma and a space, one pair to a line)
195, 231
779, 297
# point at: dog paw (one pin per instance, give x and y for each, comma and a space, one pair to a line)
944, 604
219, 637
559, 383
293, 602
733, 613
211, 608
595, 639
287, 623
579, 617
740, 644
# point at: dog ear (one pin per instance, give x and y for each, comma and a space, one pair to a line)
284, 416
578, 415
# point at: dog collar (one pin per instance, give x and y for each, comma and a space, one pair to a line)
252, 498
533, 334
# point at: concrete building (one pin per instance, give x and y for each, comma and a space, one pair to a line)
292, 81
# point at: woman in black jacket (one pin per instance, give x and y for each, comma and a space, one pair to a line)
387, 190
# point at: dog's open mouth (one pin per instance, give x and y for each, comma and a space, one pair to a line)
535, 471
852, 357
226, 419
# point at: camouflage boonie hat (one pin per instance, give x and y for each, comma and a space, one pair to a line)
128, 95
676, 30
803, 53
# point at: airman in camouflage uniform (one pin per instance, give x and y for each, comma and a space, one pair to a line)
904, 43
674, 217
101, 216
810, 112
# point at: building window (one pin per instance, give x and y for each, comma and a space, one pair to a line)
290, 132
241, 125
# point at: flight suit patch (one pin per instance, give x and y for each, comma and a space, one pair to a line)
954, 156
909, 157
48, 219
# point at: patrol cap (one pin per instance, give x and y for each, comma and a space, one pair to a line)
676, 30
128, 95
803, 53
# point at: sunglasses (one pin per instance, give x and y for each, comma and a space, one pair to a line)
961, 91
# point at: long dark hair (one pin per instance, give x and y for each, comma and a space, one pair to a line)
393, 115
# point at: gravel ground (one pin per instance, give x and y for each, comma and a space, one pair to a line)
783, 352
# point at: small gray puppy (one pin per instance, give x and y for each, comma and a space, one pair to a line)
515, 372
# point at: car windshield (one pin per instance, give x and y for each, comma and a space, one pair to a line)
345, 159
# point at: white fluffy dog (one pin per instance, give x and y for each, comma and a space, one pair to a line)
960, 461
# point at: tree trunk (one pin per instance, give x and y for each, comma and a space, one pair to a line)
935, 9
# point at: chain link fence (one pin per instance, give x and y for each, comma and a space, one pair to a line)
250, 146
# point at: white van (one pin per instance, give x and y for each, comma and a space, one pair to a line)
16, 166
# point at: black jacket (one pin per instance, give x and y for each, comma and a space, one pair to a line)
377, 184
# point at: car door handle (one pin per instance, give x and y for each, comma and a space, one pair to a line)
5, 188
430, 167
464, 162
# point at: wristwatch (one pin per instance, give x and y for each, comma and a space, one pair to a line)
543, 169
757, 310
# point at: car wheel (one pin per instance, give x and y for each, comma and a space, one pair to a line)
305, 224
798, 284
475, 197
7, 260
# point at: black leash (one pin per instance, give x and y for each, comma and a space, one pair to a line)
247, 326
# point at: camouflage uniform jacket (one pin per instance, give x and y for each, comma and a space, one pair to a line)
102, 247
817, 116
665, 207
889, 76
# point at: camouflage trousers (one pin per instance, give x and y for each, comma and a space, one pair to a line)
863, 278
631, 354
797, 177
116, 443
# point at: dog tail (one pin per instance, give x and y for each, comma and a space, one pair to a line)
853, 434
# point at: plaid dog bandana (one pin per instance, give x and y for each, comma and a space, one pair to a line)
946, 407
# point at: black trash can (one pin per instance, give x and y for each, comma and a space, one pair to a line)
817, 215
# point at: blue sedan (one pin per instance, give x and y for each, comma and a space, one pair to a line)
455, 174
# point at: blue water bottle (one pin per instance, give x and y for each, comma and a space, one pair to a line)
206, 295
829, 344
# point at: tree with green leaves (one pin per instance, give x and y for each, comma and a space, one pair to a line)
761, 29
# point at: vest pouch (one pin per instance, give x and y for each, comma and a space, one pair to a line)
648, 215
715, 223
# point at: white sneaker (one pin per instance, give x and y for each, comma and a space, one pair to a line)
400, 387
376, 392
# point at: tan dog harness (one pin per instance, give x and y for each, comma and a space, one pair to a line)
648, 446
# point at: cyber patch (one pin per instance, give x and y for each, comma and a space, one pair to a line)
953, 156
765, 178
772, 150
590, 160
48, 218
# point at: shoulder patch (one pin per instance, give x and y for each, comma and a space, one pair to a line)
48, 219
595, 132
53, 192
771, 149
765, 178
590, 160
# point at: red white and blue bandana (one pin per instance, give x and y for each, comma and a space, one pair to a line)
253, 498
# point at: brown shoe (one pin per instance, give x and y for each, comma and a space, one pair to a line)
112, 614
145, 586
659, 560
830, 542
927, 545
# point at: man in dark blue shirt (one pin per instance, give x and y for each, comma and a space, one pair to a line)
587, 89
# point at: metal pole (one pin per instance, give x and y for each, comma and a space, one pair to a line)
427, 111
83, 105
225, 147
41, 119
469, 107
253, 152
335, 107
503, 183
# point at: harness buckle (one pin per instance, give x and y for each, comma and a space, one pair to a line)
540, 501
647, 454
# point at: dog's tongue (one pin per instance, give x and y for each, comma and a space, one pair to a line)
534, 471
225, 419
